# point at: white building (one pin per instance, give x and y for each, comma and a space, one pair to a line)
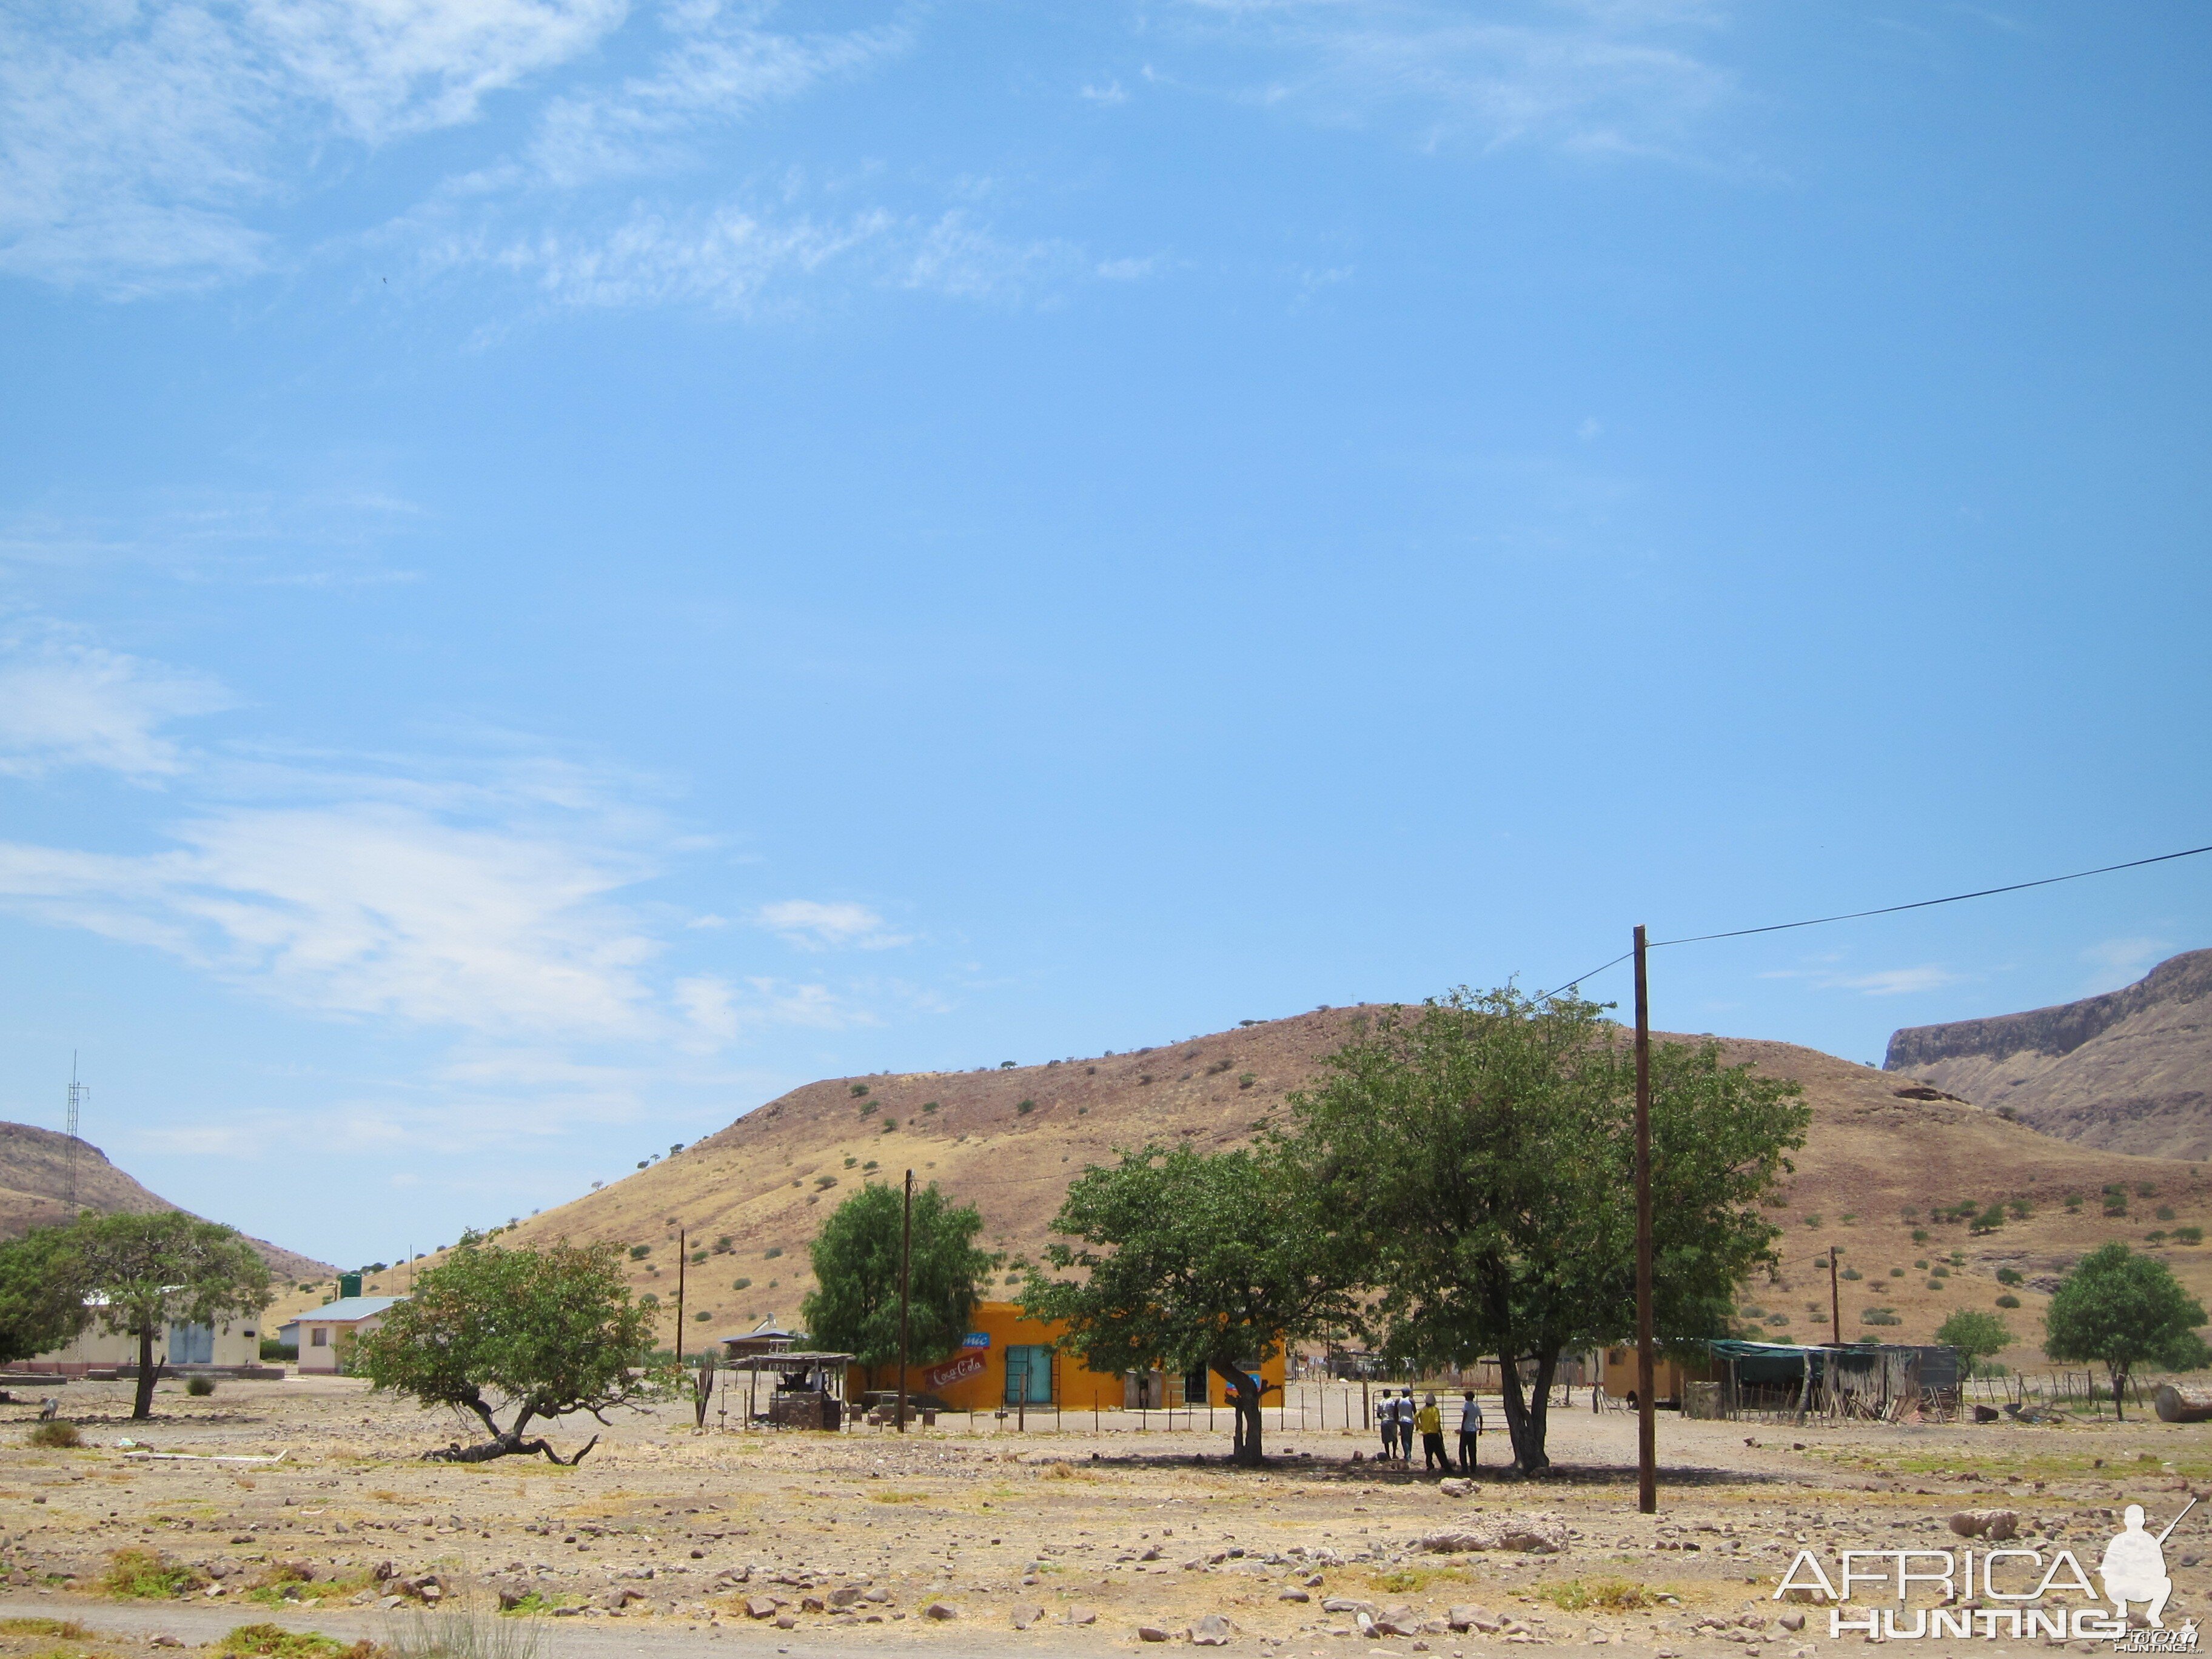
324, 1334
236, 1342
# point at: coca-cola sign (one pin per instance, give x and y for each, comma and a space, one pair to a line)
956, 1370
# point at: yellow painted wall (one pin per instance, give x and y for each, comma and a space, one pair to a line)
1075, 1388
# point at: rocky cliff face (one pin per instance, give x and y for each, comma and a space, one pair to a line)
2131, 1070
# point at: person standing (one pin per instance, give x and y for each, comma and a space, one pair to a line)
1405, 1426
1430, 1422
1386, 1419
1470, 1428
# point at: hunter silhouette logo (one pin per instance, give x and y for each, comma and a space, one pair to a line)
2132, 1570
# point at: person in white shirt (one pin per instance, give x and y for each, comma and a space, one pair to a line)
1470, 1426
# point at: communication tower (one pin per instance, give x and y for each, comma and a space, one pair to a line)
77, 1091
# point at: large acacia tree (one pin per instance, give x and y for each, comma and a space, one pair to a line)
854, 1307
1481, 1147
1189, 1260
539, 1334
144, 1273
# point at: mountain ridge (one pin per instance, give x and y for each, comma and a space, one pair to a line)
34, 1184
2131, 1070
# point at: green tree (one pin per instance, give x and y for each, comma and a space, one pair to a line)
1191, 1259
2121, 1310
42, 1293
539, 1334
144, 1273
1976, 1335
1482, 1147
854, 1307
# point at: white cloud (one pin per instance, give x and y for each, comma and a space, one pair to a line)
1109, 94
136, 140
2117, 962
1128, 271
1898, 981
1593, 77
726, 257
65, 703
723, 66
819, 926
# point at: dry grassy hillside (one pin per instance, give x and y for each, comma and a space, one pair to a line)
1876, 1164
34, 1186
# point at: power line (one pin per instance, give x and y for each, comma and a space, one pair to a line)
1884, 910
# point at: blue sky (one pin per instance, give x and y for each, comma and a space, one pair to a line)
566, 565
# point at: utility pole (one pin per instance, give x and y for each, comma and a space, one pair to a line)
1835, 1300
1647, 1442
682, 1254
906, 1258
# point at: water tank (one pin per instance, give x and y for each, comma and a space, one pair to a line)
348, 1285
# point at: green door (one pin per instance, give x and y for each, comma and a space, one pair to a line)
1029, 1375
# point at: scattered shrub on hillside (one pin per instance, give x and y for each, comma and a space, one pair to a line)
1939, 1271
145, 1575
643, 1161
1989, 1220
1812, 1220
2146, 1189
890, 1124
1908, 1213
1751, 1310
1246, 1079
200, 1387
2021, 1208
1025, 1108
741, 1284
2165, 1212
724, 1244
704, 1315
850, 1162
1082, 1111
2008, 1300
650, 1299
1852, 1272
1934, 1284
1897, 1273
275, 1642
1849, 1218
825, 1182
2156, 1235
1922, 1264
1778, 1320
1879, 1317
772, 1252
870, 1164
56, 1436
639, 1252
2073, 1201
1920, 1235
2009, 1276
859, 1092
2188, 1235
928, 1106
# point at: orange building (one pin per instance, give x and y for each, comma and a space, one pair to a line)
1011, 1360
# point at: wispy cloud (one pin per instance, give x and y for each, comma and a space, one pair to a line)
2117, 962
138, 141
1591, 77
65, 702
723, 65
816, 926
492, 896
1882, 982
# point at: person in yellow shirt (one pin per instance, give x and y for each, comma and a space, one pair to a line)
1430, 1422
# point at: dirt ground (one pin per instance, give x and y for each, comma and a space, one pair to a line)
1042, 1541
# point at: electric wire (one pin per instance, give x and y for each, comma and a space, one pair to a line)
1883, 910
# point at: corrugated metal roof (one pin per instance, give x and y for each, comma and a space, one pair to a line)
344, 1309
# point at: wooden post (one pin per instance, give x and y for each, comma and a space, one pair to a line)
1835, 1302
680, 1255
1647, 1442
906, 1254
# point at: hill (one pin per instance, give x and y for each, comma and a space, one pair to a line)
1883, 1157
2131, 1071
34, 1186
